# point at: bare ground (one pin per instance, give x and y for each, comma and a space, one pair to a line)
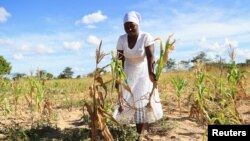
174, 127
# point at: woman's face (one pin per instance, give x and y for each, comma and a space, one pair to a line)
131, 28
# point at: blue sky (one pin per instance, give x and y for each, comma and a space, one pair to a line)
53, 34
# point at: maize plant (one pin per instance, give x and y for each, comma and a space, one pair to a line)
37, 90
120, 79
95, 107
235, 76
6, 107
199, 108
17, 91
117, 69
164, 53
225, 117
39, 95
179, 84
29, 98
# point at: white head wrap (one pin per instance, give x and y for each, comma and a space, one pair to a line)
132, 16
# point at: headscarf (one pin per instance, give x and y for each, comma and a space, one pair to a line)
132, 16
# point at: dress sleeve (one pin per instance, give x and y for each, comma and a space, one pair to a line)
148, 40
119, 45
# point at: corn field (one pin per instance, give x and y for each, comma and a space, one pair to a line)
70, 109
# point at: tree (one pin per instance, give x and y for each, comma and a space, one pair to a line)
17, 76
67, 73
43, 74
49, 75
248, 61
5, 66
61, 76
201, 56
185, 64
170, 64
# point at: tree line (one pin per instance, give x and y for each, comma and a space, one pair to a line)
5, 69
67, 73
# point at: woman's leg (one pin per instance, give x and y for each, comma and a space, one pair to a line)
140, 128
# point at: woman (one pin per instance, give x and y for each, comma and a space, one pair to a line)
136, 49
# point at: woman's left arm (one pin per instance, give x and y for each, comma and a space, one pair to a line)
150, 57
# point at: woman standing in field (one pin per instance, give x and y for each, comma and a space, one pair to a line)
136, 50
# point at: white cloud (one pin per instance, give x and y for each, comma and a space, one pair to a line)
78, 69
214, 48
93, 18
3, 15
230, 42
242, 53
93, 40
24, 47
18, 56
91, 26
215, 24
72, 45
41, 49
202, 21
6, 42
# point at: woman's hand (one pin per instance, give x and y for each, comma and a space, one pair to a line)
120, 109
117, 84
152, 77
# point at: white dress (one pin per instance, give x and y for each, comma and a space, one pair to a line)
136, 68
